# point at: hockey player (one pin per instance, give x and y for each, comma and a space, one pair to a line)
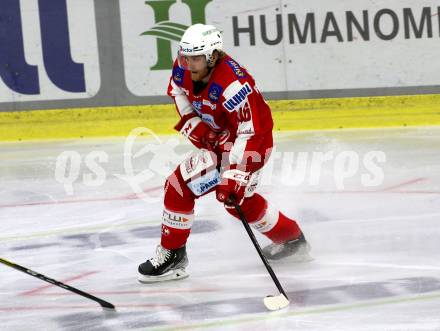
225, 116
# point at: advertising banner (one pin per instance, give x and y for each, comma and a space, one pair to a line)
49, 50
291, 46
119, 52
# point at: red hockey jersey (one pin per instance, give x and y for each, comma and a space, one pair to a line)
230, 101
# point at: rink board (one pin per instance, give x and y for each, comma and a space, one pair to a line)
310, 114
117, 53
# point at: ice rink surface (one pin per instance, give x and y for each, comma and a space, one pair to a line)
376, 248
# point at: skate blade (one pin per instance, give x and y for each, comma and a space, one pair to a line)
170, 275
303, 258
300, 256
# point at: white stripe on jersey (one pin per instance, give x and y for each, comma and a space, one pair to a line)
182, 103
245, 129
238, 149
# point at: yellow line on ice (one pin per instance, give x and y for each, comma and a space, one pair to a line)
310, 114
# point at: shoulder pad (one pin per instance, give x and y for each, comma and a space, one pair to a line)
178, 75
236, 68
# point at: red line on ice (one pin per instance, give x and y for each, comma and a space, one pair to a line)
409, 182
132, 196
42, 288
369, 192
163, 291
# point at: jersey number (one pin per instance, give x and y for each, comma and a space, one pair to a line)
244, 113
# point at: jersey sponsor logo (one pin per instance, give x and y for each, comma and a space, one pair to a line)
197, 106
209, 104
205, 187
209, 119
176, 220
204, 183
237, 100
246, 132
260, 225
214, 93
178, 74
236, 68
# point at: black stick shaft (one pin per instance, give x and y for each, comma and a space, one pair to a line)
30, 272
258, 248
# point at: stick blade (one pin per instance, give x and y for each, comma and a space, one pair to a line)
276, 302
107, 306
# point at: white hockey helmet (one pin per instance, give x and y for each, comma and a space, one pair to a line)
201, 39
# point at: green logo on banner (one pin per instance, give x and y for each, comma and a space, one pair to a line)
166, 31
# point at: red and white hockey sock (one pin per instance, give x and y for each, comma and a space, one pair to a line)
268, 220
178, 212
276, 226
176, 228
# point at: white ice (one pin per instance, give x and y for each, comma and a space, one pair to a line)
376, 248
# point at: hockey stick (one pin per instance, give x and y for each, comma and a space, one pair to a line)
271, 302
104, 304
